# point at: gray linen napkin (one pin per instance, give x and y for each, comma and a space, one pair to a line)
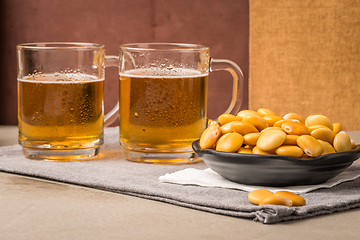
111, 172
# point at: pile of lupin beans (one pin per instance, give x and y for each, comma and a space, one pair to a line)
286, 198
265, 132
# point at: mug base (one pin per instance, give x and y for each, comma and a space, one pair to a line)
61, 155
161, 158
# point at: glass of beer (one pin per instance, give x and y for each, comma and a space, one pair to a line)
61, 100
163, 99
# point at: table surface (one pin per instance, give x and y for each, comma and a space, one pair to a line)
32, 208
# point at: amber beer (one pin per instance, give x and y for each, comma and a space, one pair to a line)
162, 111
60, 111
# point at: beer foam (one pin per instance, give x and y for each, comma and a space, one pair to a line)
60, 78
163, 72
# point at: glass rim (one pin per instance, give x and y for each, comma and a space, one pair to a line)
59, 45
163, 47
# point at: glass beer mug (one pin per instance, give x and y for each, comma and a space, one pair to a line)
61, 99
163, 99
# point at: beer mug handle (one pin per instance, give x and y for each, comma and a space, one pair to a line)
110, 117
238, 82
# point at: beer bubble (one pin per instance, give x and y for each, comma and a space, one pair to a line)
136, 114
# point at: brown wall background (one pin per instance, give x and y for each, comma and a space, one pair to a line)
221, 25
304, 58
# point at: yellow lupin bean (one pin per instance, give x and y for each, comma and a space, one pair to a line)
226, 128
229, 142
290, 151
290, 140
276, 200
258, 195
342, 142
295, 199
248, 146
251, 138
295, 128
243, 127
226, 118
210, 136
211, 122
314, 127
258, 122
295, 116
244, 113
244, 150
271, 128
337, 128
325, 134
257, 150
305, 156
318, 120
328, 148
272, 119
310, 145
266, 112
270, 140
279, 123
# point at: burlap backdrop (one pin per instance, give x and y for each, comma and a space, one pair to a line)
305, 58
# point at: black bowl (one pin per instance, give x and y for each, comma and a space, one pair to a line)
276, 170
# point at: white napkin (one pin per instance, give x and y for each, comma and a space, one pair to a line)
209, 178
